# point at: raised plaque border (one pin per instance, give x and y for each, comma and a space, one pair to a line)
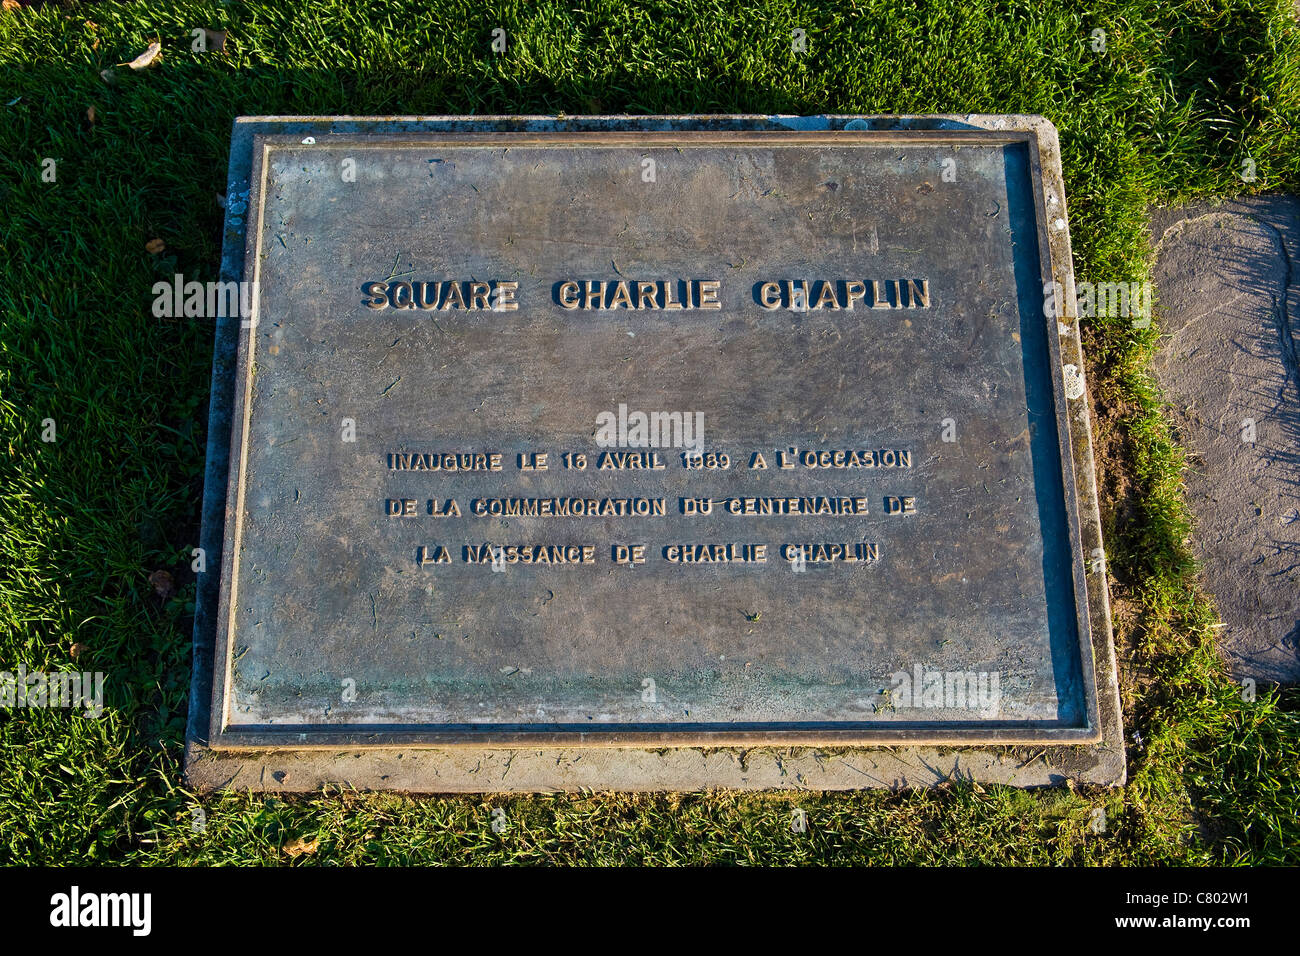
437, 760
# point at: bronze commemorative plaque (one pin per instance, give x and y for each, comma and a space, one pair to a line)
666, 437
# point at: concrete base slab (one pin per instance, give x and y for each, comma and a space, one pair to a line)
512, 771
534, 769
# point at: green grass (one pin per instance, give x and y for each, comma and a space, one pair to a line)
1184, 93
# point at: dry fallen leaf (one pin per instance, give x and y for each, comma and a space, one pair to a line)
8, 5
90, 115
76, 650
162, 584
155, 246
146, 58
299, 846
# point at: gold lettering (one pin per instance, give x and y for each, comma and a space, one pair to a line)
709, 294
478, 295
622, 296
568, 295
855, 290
505, 296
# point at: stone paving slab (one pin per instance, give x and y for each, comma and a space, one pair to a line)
1229, 302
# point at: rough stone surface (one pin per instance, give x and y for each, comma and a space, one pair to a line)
1229, 302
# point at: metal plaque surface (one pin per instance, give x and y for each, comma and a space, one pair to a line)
629, 437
